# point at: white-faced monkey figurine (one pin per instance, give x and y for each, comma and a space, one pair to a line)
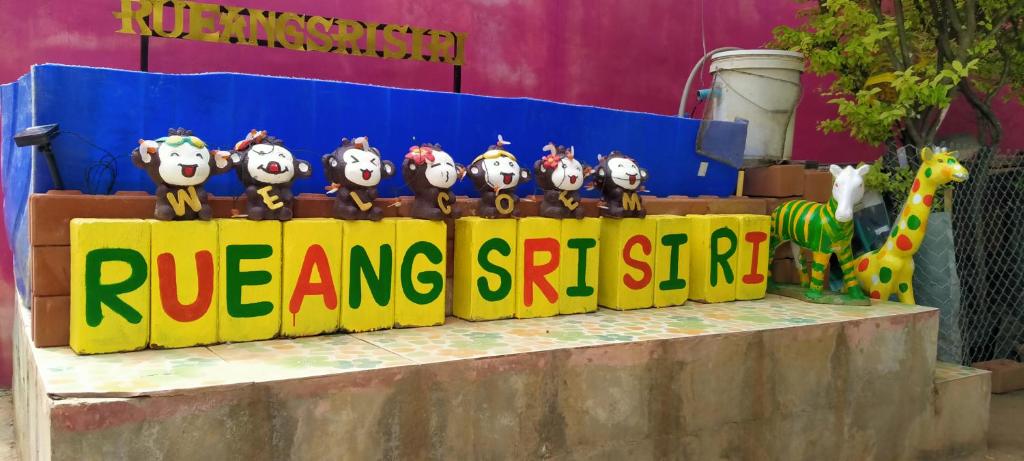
620, 179
560, 175
430, 173
496, 173
354, 170
267, 168
180, 164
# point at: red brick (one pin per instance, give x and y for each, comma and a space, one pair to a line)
817, 186
51, 320
676, 205
51, 271
774, 181
737, 205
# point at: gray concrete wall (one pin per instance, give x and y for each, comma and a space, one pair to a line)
856, 390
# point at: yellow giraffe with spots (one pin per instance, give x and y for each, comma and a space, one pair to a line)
890, 269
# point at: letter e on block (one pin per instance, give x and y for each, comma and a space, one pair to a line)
420, 278
249, 280
185, 262
581, 246
714, 257
110, 307
311, 272
367, 275
752, 270
627, 263
485, 259
538, 257
672, 260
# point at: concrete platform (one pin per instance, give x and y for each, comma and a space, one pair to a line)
768, 379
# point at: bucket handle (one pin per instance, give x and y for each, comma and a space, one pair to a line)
693, 73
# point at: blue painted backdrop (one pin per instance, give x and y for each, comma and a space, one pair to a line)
112, 109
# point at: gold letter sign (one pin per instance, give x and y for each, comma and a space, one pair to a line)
211, 23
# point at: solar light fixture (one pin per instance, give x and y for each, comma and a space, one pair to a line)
41, 136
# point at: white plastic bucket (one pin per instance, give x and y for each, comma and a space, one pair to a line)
762, 87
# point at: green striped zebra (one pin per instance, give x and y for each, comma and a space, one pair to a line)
824, 228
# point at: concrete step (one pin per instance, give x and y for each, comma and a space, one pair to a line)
958, 426
768, 379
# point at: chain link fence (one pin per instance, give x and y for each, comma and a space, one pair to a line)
971, 263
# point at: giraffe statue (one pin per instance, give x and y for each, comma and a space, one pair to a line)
890, 269
824, 228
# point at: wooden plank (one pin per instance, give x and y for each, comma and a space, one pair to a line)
581, 258
420, 275
672, 260
367, 275
484, 258
312, 276
249, 304
752, 270
627, 263
538, 264
110, 305
715, 253
184, 295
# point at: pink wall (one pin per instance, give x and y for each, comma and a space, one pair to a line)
631, 55
612, 53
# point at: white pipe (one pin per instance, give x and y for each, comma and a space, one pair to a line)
693, 73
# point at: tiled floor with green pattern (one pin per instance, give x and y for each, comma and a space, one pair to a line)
160, 371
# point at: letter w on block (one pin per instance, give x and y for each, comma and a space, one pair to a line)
109, 285
182, 197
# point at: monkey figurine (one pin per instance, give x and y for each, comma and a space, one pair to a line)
180, 164
620, 179
354, 170
430, 173
267, 169
496, 173
560, 175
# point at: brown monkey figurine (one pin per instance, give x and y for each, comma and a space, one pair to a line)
560, 175
430, 173
180, 164
267, 169
496, 173
354, 170
620, 179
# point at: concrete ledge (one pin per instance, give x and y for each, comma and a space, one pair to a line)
768, 379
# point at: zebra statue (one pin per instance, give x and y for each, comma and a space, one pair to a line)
824, 228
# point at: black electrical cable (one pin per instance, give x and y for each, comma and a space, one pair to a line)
101, 175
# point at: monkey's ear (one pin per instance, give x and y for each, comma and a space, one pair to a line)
387, 168
412, 166
329, 163
525, 174
643, 173
475, 171
236, 158
600, 172
303, 169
